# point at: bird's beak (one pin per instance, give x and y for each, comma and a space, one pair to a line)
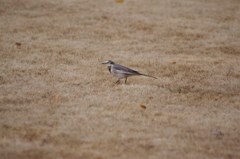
104, 63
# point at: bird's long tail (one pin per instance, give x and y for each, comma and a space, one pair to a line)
148, 76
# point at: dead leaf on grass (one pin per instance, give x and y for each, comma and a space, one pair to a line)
55, 97
18, 44
173, 63
143, 106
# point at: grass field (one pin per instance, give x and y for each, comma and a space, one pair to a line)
58, 101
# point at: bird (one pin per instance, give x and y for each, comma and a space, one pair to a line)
121, 71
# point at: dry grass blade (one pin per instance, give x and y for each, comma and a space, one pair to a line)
217, 133
119, 1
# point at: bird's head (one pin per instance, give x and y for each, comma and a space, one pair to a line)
108, 63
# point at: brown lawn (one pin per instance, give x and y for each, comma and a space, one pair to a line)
58, 101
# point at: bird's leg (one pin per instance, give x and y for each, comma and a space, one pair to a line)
126, 80
117, 81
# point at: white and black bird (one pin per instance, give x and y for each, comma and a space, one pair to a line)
121, 71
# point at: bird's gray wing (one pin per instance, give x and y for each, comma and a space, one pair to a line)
125, 70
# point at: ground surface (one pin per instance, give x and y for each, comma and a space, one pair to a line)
58, 101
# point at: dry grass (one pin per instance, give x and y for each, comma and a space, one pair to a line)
58, 101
